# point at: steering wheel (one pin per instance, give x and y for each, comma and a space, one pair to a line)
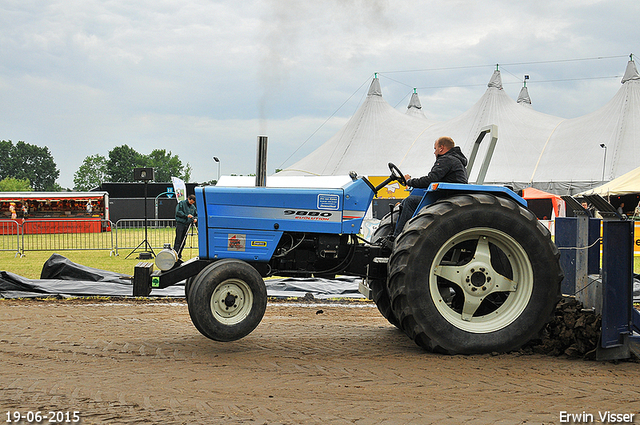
395, 172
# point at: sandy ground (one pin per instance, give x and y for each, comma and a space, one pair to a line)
125, 363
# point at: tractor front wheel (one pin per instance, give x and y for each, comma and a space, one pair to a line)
227, 300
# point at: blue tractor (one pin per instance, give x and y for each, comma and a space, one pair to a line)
472, 272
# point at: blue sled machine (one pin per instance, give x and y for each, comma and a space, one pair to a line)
472, 272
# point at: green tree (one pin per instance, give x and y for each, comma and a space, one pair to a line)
6, 165
26, 161
11, 184
122, 160
91, 173
166, 166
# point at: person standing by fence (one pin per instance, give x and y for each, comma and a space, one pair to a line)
186, 214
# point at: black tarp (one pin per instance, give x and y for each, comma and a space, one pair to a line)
60, 267
62, 277
15, 286
339, 287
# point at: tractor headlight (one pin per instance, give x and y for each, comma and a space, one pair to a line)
167, 258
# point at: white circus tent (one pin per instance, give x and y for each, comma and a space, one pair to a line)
573, 156
415, 107
375, 135
562, 156
522, 133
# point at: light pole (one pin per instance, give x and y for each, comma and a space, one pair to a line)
604, 163
216, 159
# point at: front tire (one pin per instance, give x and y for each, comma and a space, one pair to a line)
474, 273
227, 300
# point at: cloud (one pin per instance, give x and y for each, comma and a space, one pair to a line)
204, 78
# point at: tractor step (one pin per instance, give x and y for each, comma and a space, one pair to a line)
381, 260
365, 290
142, 279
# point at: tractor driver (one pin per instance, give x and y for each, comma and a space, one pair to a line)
449, 168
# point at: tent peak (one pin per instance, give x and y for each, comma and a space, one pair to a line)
374, 88
523, 97
496, 80
631, 73
414, 102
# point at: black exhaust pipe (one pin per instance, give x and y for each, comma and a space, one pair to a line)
261, 162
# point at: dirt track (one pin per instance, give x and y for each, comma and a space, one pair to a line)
146, 363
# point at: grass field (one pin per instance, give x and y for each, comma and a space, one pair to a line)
90, 249
31, 264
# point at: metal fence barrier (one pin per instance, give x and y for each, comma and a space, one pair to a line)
130, 233
66, 235
10, 236
78, 235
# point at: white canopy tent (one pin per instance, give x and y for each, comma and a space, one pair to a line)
573, 153
374, 136
522, 132
415, 107
626, 184
558, 155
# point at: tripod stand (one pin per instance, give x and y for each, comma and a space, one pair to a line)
144, 255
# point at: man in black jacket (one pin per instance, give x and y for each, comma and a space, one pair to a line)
449, 168
186, 214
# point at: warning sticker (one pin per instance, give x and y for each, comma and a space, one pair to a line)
236, 242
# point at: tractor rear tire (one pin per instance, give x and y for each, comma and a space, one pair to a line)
378, 286
227, 300
474, 273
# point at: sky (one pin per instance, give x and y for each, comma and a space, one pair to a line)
205, 78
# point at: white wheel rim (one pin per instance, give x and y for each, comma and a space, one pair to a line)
231, 301
479, 282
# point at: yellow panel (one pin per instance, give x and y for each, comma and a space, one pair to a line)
392, 190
